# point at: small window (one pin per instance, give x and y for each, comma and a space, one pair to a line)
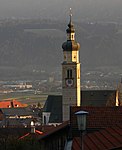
69, 73
45, 120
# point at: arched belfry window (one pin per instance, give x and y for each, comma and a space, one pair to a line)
69, 73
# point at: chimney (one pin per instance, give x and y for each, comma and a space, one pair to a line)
32, 127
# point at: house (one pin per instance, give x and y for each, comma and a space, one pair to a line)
103, 130
97, 119
33, 134
9, 136
45, 137
52, 138
55, 138
17, 117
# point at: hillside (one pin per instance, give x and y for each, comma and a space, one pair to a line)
96, 10
30, 45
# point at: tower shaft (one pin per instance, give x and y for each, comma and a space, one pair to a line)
70, 72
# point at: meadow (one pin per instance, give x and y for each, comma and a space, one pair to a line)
28, 98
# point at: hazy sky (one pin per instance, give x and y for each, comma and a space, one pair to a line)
55, 8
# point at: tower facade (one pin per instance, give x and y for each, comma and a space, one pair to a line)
70, 72
119, 94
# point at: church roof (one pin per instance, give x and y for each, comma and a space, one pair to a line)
97, 98
54, 105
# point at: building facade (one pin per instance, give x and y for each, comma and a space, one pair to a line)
70, 72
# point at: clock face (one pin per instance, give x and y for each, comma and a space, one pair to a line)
69, 82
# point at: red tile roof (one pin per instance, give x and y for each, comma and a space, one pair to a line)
106, 139
98, 117
11, 103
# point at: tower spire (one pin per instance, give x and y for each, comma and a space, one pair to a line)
70, 31
70, 15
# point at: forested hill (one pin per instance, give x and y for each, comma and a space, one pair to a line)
29, 44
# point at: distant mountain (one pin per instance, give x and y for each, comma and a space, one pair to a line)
95, 10
29, 45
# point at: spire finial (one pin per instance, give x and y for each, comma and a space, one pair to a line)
70, 15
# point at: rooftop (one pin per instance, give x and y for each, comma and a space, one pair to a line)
106, 139
98, 117
11, 104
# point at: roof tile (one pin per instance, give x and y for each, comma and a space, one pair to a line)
105, 139
98, 117
11, 103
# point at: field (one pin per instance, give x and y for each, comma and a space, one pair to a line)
28, 98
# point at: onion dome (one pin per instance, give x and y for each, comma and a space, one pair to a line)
70, 46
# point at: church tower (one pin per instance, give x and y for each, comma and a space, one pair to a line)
70, 72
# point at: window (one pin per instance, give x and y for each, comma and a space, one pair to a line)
69, 73
72, 37
45, 120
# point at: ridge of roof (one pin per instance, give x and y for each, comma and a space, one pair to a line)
55, 129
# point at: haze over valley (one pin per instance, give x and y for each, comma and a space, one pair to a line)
32, 33
105, 10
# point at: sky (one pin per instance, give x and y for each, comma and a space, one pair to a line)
59, 8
